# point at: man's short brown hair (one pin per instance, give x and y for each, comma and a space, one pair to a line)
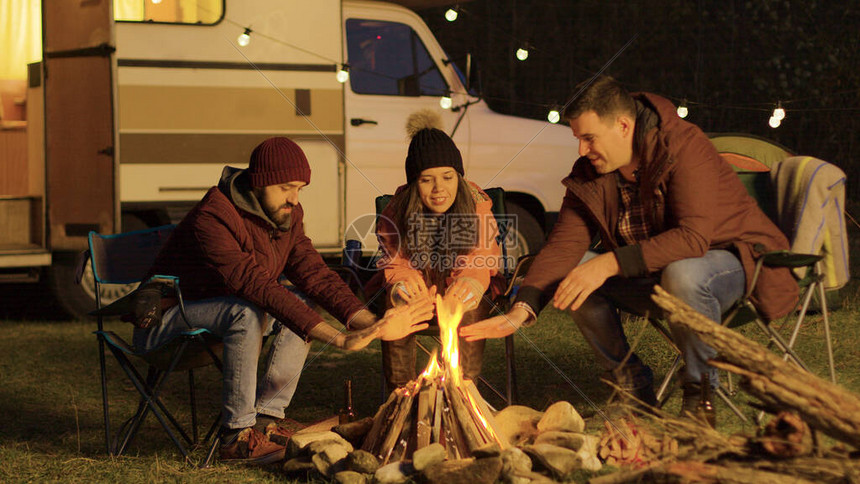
605, 96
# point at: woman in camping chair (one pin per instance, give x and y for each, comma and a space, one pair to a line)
438, 234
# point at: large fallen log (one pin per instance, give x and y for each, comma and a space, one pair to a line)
780, 384
688, 471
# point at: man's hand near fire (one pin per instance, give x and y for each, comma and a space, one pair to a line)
583, 280
395, 324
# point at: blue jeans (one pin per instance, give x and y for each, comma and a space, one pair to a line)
709, 284
241, 326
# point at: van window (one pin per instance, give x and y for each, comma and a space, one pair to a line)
389, 58
201, 12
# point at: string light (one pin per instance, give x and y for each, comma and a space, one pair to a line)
553, 116
452, 13
445, 101
682, 109
343, 73
245, 37
774, 122
523, 52
778, 112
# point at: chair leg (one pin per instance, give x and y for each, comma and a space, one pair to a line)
721, 392
510, 365
150, 403
829, 342
676, 365
192, 401
105, 408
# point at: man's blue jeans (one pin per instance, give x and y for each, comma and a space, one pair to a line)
709, 284
241, 326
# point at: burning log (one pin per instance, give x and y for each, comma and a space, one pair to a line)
438, 407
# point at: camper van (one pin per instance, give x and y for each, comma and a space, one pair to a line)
137, 106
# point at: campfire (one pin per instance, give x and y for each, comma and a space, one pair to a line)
440, 406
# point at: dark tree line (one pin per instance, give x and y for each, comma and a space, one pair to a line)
732, 60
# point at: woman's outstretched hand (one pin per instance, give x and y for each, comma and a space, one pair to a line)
495, 327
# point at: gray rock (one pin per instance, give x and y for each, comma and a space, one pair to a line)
537, 478
301, 440
464, 471
331, 460
558, 460
354, 432
362, 461
563, 417
517, 423
298, 465
319, 446
516, 466
428, 456
568, 440
492, 449
350, 477
394, 473
590, 462
590, 444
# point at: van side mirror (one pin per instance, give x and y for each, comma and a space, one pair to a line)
473, 77
469, 75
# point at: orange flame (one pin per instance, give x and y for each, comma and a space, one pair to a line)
449, 315
449, 319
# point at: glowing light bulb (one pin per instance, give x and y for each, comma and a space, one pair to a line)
779, 113
553, 116
522, 53
774, 122
244, 38
342, 74
451, 14
683, 111
446, 102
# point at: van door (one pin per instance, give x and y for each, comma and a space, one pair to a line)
396, 68
79, 121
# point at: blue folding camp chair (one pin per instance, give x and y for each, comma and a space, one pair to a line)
126, 258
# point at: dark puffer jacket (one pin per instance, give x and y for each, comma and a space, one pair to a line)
226, 245
706, 207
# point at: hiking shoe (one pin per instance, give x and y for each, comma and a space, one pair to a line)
252, 447
281, 434
694, 405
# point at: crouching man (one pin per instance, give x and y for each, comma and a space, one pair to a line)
229, 253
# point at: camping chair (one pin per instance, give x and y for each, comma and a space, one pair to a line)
804, 193
126, 258
513, 273
783, 190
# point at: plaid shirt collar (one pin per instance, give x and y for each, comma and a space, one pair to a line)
633, 222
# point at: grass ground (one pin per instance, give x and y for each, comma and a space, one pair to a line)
51, 412
50, 397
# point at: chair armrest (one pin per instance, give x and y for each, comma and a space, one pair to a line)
792, 260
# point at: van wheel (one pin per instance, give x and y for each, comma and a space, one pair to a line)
79, 299
76, 300
526, 235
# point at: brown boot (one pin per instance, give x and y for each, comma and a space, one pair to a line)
252, 447
696, 403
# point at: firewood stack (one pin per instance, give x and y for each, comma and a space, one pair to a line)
438, 407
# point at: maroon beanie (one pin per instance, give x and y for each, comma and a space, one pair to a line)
278, 160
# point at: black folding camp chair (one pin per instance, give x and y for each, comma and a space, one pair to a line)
126, 258
760, 186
